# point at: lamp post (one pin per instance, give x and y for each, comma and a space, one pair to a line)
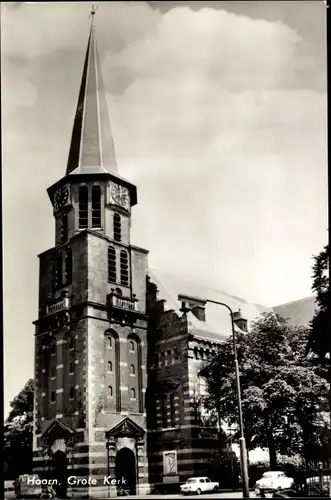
231, 434
242, 441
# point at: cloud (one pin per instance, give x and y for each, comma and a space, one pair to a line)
36, 29
220, 120
207, 105
18, 89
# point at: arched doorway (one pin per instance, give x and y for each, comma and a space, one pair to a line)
60, 464
125, 470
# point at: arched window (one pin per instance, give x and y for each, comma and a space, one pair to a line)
131, 346
162, 361
71, 367
124, 265
64, 228
71, 343
110, 342
110, 366
53, 372
117, 227
175, 354
110, 391
133, 394
202, 354
132, 370
83, 207
96, 207
53, 397
53, 349
68, 267
169, 356
111, 265
71, 393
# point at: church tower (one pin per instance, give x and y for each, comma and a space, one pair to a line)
90, 340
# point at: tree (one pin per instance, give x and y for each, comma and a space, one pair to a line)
281, 392
319, 341
18, 432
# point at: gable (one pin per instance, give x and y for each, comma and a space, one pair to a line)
126, 427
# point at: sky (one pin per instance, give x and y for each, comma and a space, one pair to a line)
218, 112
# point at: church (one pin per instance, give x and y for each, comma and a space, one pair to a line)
117, 346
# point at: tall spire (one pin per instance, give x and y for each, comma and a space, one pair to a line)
92, 146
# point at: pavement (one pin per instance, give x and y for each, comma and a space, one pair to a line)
223, 494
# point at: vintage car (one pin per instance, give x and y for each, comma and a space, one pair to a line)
273, 481
325, 479
321, 482
25, 486
198, 485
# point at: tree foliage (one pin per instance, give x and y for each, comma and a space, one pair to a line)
282, 394
319, 341
18, 433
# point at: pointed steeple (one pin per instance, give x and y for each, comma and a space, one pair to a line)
92, 146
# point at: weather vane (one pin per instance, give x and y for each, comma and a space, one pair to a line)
93, 11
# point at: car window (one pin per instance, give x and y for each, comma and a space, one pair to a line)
201, 480
207, 480
191, 480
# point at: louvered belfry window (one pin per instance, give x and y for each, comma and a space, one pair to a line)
83, 208
96, 207
111, 265
124, 265
117, 227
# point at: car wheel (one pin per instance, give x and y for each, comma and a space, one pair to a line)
216, 489
198, 491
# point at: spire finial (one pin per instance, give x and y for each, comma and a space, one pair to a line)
92, 14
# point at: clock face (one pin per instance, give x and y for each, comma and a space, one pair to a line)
120, 196
61, 197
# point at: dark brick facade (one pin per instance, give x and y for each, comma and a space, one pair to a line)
91, 344
173, 418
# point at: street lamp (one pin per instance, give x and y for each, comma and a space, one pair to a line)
231, 434
242, 442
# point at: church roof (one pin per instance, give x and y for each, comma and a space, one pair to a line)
299, 312
92, 146
217, 326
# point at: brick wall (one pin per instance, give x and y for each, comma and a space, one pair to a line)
76, 372
139, 273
